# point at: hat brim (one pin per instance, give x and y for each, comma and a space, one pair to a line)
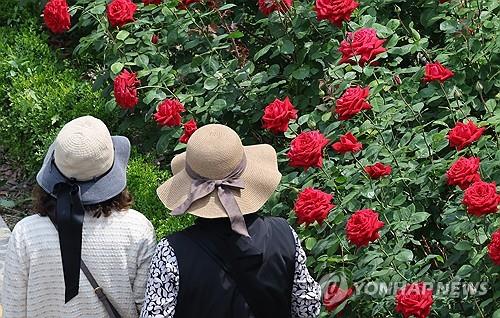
261, 178
92, 192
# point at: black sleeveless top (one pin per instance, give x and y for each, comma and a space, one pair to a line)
265, 265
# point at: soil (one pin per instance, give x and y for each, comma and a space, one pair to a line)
15, 192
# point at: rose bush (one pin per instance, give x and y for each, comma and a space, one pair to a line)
370, 105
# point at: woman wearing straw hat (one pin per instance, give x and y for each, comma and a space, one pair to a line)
232, 262
86, 254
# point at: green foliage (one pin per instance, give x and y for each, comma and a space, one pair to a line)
143, 179
226, 64
38, 95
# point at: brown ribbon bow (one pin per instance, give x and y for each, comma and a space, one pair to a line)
201, 187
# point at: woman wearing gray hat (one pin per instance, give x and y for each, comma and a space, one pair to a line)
232, 263
86, 253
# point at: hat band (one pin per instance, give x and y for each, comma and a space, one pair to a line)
94, 179
202, 187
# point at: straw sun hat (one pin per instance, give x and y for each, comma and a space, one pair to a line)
213, 152
86, 153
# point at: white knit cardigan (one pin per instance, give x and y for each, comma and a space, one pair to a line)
117, 250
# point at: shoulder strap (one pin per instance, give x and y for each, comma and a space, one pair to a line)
255, 299
110, 309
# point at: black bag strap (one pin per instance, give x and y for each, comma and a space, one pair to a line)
100, 292
110, 309
245, 284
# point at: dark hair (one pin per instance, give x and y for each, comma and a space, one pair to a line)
45, 204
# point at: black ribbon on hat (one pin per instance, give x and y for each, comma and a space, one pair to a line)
69, 217
69, 222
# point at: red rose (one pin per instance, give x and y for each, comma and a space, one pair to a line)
268, 6
347, 143
463, 172
154, 39
189, 128
56, 16
121, 12
146, 2
363, 226
312, 205
494, 247
463, 135
364, 44
335, 296
183, 4
378, 170
436, 72
335, 11
125, 89
278, 114
481, 198
306, 150
352, 102
169, 113
414, 300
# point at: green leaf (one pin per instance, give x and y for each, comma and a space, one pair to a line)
419, 217
496, 314
261, 52
142, 61
404, 255
287, 47
301, 73
218, 105
122, 35
463, 246
227, 6
236, 35
210, 83
310, 242
116, 67
464, 271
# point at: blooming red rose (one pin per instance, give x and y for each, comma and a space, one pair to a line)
56, 16
364, 44
481, 198
146, 2
169, 113
463, 172
312, 205
269, 6
125, 89
278, 114
189, 128
183, 4
347, 143
363, 227
334, 296
335, 11
463, 135
306, 150
378, 170
352, 101
414, 300
121, 12
436, 72
154, 39
494, 247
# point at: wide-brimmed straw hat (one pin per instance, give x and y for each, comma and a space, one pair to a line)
85, 165
213, 153
84, 151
